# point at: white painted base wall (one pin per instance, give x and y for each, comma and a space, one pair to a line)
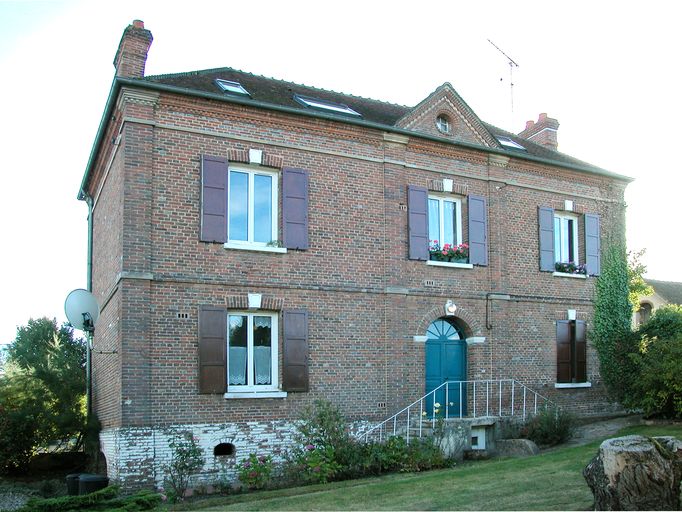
136, 456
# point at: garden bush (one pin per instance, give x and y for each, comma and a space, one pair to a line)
106, 499
186, 459
255, 471
657, 390
549, 427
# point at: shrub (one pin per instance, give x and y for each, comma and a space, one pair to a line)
255, 472
322, 425
106, 499
186, 459
665, 323
549, 427
657, 390
318, 464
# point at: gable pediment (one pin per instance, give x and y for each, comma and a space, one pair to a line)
444, 114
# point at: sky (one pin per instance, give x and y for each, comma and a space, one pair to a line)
608, 71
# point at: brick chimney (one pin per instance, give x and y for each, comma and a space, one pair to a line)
131, 55
544, 132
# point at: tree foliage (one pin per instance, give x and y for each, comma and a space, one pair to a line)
638, 287
42, 392
611, 332
656, 375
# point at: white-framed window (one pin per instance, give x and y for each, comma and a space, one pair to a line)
252, 351
252, 199
443, 124
445, 220
566, 238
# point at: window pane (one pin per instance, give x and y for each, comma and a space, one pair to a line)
262, 208
434, 221
238, 203
557, 239
238, 350
449, 224
569, 240
262, 346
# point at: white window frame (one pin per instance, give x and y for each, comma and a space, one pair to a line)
458, 217
443, 124
563, 240
236, 390
252, 171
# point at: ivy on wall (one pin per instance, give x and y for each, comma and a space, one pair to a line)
611, 333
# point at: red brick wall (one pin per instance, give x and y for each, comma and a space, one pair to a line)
362, 350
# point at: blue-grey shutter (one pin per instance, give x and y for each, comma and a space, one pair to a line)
478, 230
295, 208
213, 199
212, 349
295, 345
418, 222
592, 244
546, 238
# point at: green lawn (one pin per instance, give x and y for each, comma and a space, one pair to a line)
550, 481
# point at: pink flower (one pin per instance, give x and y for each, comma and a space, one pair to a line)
310, 447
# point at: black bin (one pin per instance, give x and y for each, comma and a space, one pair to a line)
91, 483
72, 484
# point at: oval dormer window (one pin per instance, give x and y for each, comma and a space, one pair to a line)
443, 124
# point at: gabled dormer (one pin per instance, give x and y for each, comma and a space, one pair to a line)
445, 114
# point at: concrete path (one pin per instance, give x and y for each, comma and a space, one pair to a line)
601, 429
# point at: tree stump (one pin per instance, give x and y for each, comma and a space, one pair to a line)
636, 473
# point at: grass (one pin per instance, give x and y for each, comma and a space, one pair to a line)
550, 481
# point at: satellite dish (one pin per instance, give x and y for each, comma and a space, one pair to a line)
81, 309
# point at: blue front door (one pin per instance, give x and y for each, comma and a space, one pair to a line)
446, 357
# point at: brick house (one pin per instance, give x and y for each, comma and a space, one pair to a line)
258, 244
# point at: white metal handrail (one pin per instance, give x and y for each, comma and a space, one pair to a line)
474, 399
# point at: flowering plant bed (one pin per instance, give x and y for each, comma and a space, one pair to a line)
570, 268
449, 252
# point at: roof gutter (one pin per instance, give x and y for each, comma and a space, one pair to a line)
120, 82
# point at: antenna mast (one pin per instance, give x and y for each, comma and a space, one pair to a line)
512, 65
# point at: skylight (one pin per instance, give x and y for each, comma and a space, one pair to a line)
329, 106
233, 87
508, 143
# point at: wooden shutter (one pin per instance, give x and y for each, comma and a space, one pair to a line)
213, 199
295, 359
295, 208
418, 222
563, 351
478, 231
592, 244
212, 349
546, 238
580, 351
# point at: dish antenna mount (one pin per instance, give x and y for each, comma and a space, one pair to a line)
81, 310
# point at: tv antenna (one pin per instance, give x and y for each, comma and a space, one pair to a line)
512, 65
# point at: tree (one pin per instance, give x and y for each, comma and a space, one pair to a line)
637, 286
42, 392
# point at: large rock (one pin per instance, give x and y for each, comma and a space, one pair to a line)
636, 473
516, 448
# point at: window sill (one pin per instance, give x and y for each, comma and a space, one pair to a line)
574, 276
256, 394
571, 385
253, 247
448, 264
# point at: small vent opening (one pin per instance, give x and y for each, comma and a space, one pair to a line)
224, 450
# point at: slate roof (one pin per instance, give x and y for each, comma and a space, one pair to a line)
270, 91
669, 290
